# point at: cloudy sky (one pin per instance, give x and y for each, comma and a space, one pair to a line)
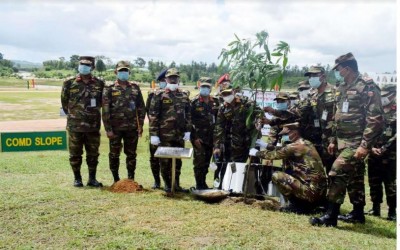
318, 31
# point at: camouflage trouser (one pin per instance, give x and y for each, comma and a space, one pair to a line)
347, 172
201, 160
154, 162
76, 141
166, 164
290, 186
382, 170
130, 139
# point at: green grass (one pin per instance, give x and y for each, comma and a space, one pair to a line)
40, 209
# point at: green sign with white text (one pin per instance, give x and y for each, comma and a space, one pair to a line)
33, 141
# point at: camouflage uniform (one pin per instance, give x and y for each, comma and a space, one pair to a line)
382, 168
123, 113
82, 102
204, 116
304, 176
169, 120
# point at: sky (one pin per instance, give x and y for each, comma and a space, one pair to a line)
318, 31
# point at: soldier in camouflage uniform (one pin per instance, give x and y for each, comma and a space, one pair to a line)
123, 116
204, 110
382, 159
81, 100
154, 161
317, 112
170, 124
358, 123
304, 181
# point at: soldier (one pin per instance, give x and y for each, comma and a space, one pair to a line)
358, 123
382, 159
123, 116
154, 161
204, 110
304, 181
81, 100
170, 124
317, 112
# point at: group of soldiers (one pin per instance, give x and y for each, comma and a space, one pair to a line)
324, 134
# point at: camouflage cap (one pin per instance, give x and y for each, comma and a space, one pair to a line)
343, 58
205, 81
289, 127
282, 96
387, 89
86, 60
303, 85
314, 70
224, 78
294, 95
123, 65
161, 76
172, 72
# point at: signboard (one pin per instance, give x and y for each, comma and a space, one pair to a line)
33, 141
172, 152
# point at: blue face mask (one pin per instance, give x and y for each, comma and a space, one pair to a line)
282, 106
162, 85
314, 82
338, 76
84, 69
204, 91
123, 75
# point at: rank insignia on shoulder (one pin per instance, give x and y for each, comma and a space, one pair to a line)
115, 93
351, 92
370, 93
167, 101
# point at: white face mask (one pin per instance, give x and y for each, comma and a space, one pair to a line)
385, 101
314, 82
228, 99
303, 94
293, 102
172, 87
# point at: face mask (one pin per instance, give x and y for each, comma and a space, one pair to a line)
281, 106
294, 102
285, 138
162, 85
123, 75
314, 82
204, 91
84, 69
385, 101
171, 86
228, 99
338, 76
303, 94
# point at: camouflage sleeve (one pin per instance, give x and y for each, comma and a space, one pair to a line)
193, 134
148, 102
154, 115
219, 130
105, 111
140, 108
374, 118
277, 154
188, 115
65, 95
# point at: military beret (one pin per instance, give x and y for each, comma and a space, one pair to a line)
282, 96
162, 75
172, 72
123, 65
224, 78
205, 81
387, 89
303, 85
314, 70
343, 58
288, 127
86, 60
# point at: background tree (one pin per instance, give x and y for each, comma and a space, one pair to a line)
100, 66
1, 56
74, 62
140, 62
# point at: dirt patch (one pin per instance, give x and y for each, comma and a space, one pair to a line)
126, 186
266, 204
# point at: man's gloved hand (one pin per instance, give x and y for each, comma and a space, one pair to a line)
253, 152
154, 140
213, 166
261, 144
187, 136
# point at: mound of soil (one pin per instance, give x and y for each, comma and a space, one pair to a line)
125, 186
267, 204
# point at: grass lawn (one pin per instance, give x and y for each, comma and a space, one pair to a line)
40, 209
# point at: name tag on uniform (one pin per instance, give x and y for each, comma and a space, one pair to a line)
388, 132
351, 92
92, 102
199, 109
74, 90
167, 101
115, 93
324, 115
345, 107
316, 123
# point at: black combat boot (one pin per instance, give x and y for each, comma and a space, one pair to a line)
355, 216
92, 182
78, 179
167, 182
329, 219
157, 181
131, 166
178, 188
392, 213
115, 176
131, 174
375, 211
